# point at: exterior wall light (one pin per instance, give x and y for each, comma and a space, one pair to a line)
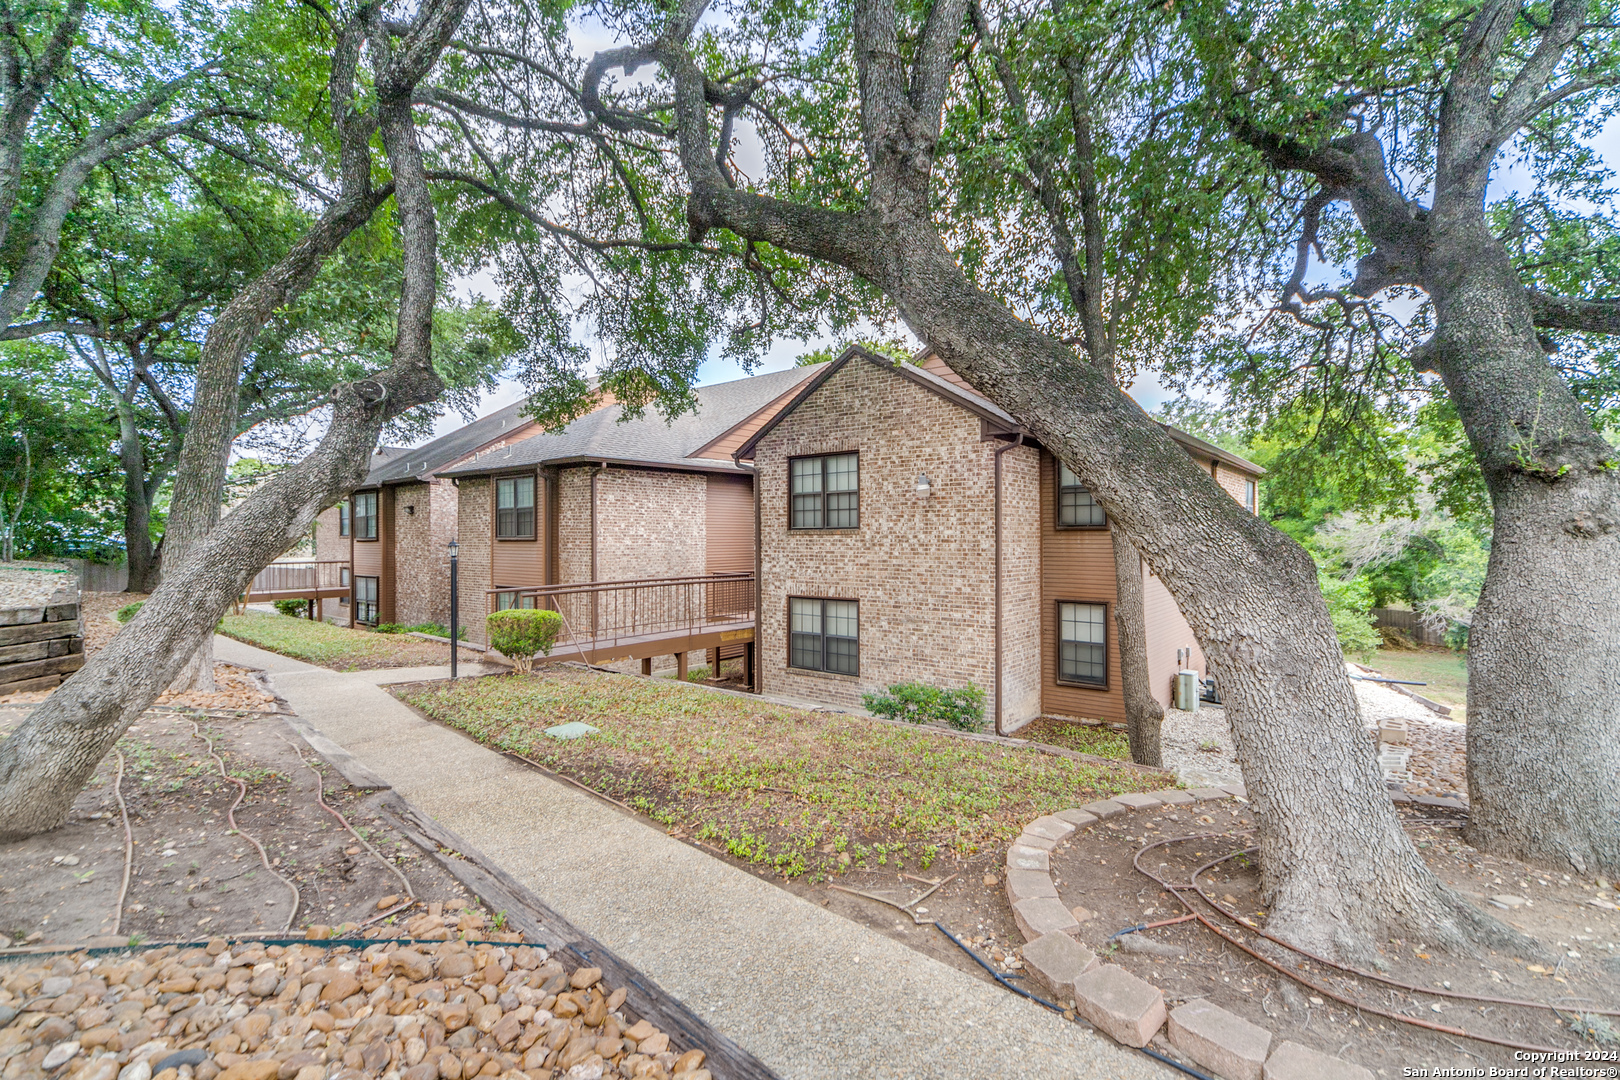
925, 486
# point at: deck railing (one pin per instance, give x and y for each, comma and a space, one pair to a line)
295, 576
605, 614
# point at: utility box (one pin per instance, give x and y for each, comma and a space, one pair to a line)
1187, 686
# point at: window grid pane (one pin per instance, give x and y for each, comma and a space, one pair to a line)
824, 635
1076, 507
824, 492
1083, 643
806, 616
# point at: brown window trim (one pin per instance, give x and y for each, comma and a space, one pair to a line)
375, 605
495, 511
1057, 644
787, 620
855, 528
1057, 511
376, 513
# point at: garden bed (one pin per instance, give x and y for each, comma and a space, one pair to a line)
1576, 921
338, 647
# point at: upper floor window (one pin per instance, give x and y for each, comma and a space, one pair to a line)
1250, 491
824, 492
1083, 644
514, 508
1076, 509
824, 635
365, 515
343, 518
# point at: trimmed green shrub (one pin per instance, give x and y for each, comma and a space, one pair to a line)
295, 608
916, 703
127, 612
519, 633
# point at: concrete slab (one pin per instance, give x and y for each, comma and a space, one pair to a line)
810, 993
1104, 808
1138, 800
1056, 960
1173, 797
1078, 818
1124, 1007
1020, 857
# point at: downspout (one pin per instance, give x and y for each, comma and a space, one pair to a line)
1018, 441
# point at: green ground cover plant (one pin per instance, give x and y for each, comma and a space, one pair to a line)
802, 793
336, 647
1445, 671
919, 703
1099, 740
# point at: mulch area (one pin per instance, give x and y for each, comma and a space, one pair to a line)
1577, 921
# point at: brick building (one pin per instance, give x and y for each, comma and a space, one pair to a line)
611, 499
910, 532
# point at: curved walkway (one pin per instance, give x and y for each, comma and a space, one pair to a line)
808, 992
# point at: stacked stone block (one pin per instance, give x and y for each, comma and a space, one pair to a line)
40, 646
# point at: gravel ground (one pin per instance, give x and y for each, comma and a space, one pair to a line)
246, 1012
1436, 765
31, 584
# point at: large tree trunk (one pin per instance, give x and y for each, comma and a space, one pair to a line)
1544, 648
50, 757
1143, 714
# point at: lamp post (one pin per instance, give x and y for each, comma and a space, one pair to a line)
455, 609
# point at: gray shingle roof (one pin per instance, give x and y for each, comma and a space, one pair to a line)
650, 440
399, 464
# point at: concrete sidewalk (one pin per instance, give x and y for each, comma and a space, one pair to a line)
810, 993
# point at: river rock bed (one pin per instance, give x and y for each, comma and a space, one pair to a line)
449, 1010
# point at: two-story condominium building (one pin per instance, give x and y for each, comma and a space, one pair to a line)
910, 531
611, 499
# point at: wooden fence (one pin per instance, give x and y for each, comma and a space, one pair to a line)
1421, 629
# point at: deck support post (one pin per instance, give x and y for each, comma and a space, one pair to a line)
714, 663
680, 666
646, 666
749, 667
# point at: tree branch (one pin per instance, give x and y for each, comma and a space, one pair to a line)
1553, 312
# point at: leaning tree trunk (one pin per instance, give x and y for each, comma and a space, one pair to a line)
1143, 714
1544, 647
49, 758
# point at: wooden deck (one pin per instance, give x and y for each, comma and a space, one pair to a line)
664, 643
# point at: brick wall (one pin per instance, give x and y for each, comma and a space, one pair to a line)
1020, 586
1233, 482
421, 555
474, 532
921, 568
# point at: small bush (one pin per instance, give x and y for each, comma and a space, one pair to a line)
916, 703
295, 608
127, 612
519, 633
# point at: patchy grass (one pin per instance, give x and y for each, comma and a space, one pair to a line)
799, 792
1445, 671
336, 647
1101, 741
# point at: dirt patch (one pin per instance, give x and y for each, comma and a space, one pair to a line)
192, 874
1580, 969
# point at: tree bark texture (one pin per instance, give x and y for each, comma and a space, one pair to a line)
48, 759
138, 552
1544, 648
1338, 871
1144, 716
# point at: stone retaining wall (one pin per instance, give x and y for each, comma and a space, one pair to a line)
40, 646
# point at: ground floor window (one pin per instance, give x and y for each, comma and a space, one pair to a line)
343, 579
504, 601
1083, 644
824, 635
365, 600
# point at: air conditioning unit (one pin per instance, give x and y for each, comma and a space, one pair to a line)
1187, 686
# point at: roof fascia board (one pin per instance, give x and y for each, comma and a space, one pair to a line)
1225, 457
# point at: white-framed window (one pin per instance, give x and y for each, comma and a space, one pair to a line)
1250, 496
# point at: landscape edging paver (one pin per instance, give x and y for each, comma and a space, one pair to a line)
1031, 893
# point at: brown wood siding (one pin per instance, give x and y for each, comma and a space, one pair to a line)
1076, 565
387, 591
729, 527
729, 533
935, 366
730, 442
520, 562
